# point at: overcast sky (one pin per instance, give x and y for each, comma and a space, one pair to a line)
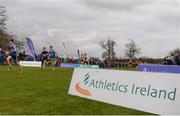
153, 24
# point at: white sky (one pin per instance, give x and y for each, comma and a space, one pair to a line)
153, 24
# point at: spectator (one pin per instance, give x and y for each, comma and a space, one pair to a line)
2, 56
130, 63
86, 59
82, 58
173, 59
177, 58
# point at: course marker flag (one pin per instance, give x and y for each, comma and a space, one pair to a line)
79, 56
31, 48
157, 93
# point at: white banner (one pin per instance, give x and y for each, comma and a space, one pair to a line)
157, 93
30, 63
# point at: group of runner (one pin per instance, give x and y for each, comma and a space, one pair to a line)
46, 56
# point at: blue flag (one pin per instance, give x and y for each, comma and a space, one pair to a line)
31, 48
78, 53
79, 56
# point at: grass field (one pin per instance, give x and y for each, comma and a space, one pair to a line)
37, 92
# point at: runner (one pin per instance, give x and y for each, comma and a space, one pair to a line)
44, 58
52, 57
12, 55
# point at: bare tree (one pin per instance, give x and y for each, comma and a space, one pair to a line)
131, 50
4, 36
3, 18
176, 51
20, 45
108, 46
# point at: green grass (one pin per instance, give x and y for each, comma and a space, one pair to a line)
37, 92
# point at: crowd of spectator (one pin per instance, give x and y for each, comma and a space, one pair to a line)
172, 59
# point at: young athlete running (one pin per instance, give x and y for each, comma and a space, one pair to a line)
53, 55
12, 55
45, 58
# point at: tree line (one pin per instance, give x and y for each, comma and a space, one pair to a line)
108, 45
5, 36
131, 51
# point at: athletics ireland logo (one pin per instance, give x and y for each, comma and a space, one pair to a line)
82, 90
